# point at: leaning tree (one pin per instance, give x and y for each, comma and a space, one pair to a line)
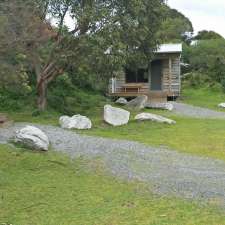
54, 34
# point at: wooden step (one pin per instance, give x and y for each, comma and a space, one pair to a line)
157, 93
157, 96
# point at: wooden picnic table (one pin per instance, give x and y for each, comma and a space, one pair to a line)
136, 87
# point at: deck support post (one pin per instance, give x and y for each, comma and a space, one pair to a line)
170, 74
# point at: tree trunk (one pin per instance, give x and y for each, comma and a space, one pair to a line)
49, 73
42, 95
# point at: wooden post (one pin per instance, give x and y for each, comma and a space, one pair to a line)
170, 74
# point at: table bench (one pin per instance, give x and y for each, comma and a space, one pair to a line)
127, 87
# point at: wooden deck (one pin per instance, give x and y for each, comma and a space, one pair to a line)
153, 96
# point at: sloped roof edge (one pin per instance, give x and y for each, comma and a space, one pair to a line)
169, 48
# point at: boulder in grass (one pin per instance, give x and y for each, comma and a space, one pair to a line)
75, 122
32, 137
138, 103
153, 117
121, 101
164, 106
116, 116
222, 105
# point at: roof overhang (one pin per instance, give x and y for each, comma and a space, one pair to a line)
169, 48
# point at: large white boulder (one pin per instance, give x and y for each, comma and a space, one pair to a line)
116, 116
153, 117
75, 122
166, 106
222, 105
121, 101
138, 103
32, 137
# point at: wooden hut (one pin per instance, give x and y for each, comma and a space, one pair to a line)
159, 82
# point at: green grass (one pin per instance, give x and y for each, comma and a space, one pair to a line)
47, 118
196, 136
50, 189
204, 97
202, 137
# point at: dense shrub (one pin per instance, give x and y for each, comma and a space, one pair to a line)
207, 62
65, 97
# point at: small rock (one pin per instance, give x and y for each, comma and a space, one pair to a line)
121, 101
153, 117
138, 103
116, 116
75, 122
221, 105
32, 137
166, 106
3, 118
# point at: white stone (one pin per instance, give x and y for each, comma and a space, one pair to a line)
75, 122
166, 106
221, 105
121, 101
32, 137
139, 102
116, 116
153, 117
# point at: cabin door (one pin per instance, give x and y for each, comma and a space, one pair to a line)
156, 75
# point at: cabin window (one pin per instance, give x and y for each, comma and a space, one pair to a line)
138, 76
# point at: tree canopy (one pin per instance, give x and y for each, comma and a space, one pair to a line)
175, 27
105, 32
207, 35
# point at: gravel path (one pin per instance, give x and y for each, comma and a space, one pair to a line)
167, 172
196, 112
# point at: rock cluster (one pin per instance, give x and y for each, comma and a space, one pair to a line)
75, 122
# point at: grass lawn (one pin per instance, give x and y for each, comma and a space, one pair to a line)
46, 188
204, 97
47, 118
196, 136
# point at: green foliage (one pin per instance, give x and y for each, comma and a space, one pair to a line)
66, 97
197, 79
106, 36
207, 35
176, 27
207, 61
15, 100
78, 193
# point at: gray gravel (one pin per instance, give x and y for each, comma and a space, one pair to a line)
167, 172
196, 112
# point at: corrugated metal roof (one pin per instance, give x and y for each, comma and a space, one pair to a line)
169, 48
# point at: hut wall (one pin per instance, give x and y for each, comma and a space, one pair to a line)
171, 76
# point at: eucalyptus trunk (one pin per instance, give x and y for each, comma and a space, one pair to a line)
42, 95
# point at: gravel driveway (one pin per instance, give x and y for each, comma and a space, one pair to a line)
196, 112
167, 172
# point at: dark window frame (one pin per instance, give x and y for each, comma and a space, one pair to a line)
138, 76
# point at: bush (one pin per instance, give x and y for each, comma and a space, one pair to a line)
65, 97
207, 62
196, 79
15, 101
